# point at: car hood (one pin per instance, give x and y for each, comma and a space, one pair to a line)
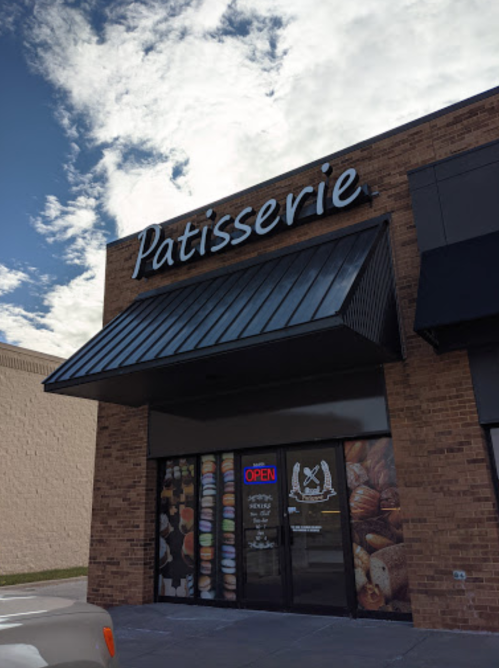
17, 608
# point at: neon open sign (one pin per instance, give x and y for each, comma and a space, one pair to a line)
259, 475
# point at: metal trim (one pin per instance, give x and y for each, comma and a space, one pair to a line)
220, 349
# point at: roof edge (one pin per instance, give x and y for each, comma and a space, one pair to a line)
30, 353
349, 149
298, 331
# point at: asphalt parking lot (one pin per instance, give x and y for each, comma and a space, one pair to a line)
166, 635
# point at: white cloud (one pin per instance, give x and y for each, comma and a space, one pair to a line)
67, 123
10, 279
69, 315
61, 223
242, 91
77, 224
189, 101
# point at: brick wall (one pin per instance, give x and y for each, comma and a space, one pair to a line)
47, 444
443, 471
121, 568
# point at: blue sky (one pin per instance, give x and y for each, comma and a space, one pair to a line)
116, 115
34, 151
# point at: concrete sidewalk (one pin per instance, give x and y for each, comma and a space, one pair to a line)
182, 636
166, 635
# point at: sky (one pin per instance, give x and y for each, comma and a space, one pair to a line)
115, 115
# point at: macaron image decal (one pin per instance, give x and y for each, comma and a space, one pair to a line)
207, 526
176, 527
227, 554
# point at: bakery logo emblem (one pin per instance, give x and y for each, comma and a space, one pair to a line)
313, 491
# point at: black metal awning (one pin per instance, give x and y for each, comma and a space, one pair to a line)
458, 295
315, 307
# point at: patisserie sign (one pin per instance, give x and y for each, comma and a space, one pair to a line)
259, 475
157, 252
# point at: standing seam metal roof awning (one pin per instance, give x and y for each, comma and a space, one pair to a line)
254, 322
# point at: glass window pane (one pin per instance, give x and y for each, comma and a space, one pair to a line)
261, 529
207, 526
217, 528
227, 575
494, 435
316, 542
378, 541
177, 518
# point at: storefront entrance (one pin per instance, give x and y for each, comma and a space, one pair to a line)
314, 527
295, 529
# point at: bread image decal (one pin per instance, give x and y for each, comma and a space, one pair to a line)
374, 534
371, 597
355, 451
389, 571
360, 579
364, 502
361, 558
356, 476
380, 464
377, 531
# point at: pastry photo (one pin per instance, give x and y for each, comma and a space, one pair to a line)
176, 530
186, 519
188, 549
165, 556
165, 528
380, 568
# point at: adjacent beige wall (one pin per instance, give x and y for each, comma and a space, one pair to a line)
47, 448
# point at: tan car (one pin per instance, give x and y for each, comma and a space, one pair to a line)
41, 631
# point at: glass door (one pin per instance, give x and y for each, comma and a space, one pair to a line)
294, 519
262, 530
316, 531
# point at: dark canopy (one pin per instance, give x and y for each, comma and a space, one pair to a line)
458, 296
318, 306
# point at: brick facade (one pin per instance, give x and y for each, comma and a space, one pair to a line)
443, 469
121, 566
